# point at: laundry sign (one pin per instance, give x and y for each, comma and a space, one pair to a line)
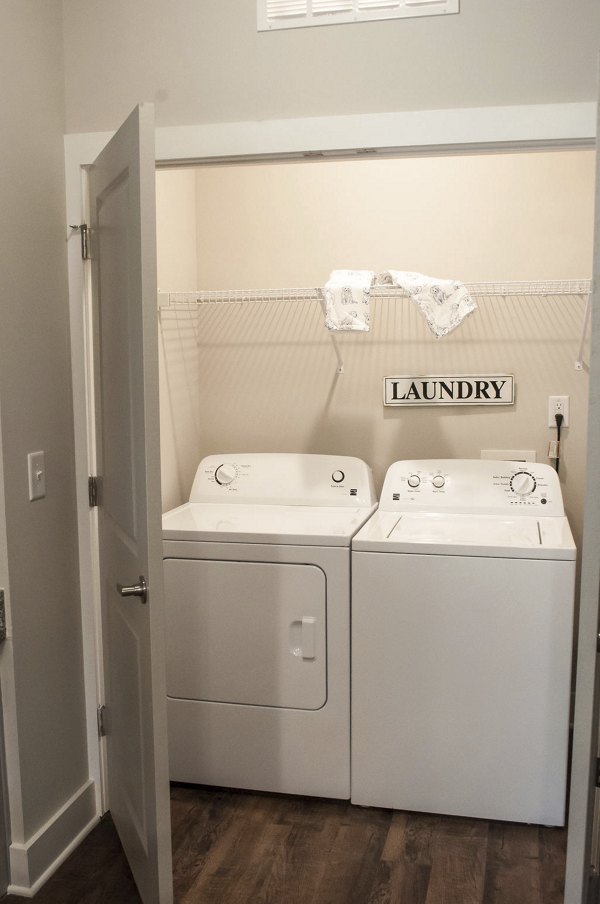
461, 389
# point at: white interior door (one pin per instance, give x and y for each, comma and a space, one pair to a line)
579, 887
123, 232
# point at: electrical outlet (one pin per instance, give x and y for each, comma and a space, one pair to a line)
558, 404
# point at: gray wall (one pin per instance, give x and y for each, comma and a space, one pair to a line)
203, 61
47, 738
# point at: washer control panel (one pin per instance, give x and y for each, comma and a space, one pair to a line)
472, 485
284, 479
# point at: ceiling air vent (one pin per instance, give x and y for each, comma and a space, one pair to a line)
273, 14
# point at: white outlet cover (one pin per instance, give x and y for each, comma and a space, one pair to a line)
564, 400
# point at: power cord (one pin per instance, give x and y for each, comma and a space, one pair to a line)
559, 419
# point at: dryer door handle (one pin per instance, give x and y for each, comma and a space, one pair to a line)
309, 637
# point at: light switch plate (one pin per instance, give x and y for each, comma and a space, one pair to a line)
36, 469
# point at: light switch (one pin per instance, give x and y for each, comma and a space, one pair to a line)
36, 468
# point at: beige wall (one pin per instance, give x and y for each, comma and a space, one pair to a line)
46, 723
475, 217
262, 377
205, 62
176, 225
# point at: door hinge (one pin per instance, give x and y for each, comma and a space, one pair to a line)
101, 716
85, 241
84, 233
93, 491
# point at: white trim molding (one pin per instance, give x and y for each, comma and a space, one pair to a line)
425, 131
34, 861
420, 131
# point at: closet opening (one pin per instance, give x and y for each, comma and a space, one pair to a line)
248, 366
238, 375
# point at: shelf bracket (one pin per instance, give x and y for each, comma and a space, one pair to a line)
336, 348
584, 328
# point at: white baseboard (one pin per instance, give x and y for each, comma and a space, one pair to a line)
34, 861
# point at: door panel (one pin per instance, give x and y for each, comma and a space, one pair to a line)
126, 728
118, 356
122, 217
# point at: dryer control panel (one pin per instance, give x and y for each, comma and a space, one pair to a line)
472, 486
274, 478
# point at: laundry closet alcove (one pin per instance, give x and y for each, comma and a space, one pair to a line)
255, 368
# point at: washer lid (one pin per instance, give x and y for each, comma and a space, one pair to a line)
473, 535
283, 524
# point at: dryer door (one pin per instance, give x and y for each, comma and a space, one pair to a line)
246, 632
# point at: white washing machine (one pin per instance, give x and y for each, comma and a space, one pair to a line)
257, 580
462, 615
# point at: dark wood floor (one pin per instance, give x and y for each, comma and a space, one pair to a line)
240, 847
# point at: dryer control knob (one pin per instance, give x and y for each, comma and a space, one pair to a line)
439, 481
338, 476
225, 474
414, 481
522, 483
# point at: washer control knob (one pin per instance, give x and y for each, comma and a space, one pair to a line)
225, 474
338, 476
414, 481
522, 483
439, 481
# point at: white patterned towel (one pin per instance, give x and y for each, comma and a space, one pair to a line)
444, 302
347, 297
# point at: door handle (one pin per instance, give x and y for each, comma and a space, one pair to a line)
309, 629
140, 590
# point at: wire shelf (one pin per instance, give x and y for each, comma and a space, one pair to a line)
580, 288
577, 287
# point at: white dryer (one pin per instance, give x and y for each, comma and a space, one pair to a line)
462, 615
257, 581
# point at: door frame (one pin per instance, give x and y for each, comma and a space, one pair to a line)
6, 683
82, 363
584, 800
466, 131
